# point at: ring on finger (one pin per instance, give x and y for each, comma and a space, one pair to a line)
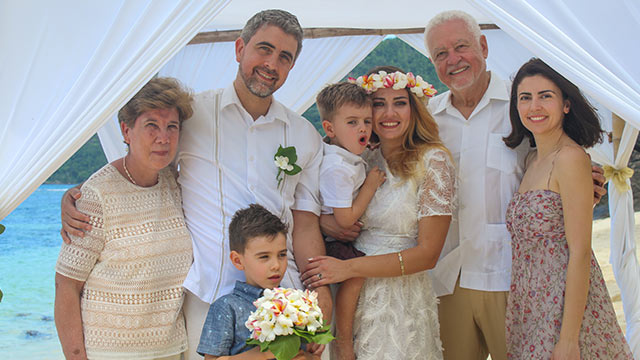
319, 276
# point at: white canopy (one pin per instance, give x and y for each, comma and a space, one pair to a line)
67, 66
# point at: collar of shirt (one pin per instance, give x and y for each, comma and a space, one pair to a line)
276, 109
246, 291
349, 157
495, 91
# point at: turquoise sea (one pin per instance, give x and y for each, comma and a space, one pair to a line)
28, 251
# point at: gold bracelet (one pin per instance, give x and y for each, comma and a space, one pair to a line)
401, 263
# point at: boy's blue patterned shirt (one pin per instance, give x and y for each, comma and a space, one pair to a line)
224, 332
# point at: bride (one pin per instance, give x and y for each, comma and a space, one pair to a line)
404, 229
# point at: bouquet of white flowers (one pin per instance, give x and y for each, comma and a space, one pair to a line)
284, 318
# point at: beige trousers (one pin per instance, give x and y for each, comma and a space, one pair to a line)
472, 324
195, 313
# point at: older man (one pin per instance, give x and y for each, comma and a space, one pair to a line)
473, 275
226, 162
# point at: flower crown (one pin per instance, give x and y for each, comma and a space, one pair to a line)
396, 80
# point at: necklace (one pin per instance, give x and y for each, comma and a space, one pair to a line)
124, 165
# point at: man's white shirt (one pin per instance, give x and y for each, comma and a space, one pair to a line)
478, 245
226, 162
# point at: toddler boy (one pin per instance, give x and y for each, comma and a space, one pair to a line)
345, 189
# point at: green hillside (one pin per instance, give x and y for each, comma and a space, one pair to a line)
81, 165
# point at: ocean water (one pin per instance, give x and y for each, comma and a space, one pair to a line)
28, 252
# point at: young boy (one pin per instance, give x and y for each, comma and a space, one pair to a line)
345, 189
257, 240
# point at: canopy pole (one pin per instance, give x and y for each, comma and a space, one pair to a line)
617, 125
315, 33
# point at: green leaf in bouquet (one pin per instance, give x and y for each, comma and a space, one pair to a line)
0, 295
285, 347
306, 335
264, 346
322, 337
2, 226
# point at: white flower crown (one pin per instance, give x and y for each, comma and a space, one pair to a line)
396, 80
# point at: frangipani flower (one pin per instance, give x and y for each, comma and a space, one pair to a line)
396, 81
411, 80
399, 80
280, 310
366, 82
423, 88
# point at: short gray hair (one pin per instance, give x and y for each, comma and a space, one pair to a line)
280, 18
441, 18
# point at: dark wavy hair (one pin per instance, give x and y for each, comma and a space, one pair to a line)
581, 124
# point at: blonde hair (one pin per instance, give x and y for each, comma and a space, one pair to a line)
421, 135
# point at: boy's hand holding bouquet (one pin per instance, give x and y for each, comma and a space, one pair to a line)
284, 318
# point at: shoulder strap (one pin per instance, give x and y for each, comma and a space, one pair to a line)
553, 164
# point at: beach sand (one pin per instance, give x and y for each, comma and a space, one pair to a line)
601, 248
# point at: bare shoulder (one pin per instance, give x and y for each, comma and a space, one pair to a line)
572, 161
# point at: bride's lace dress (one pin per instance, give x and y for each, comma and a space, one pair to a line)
397, 317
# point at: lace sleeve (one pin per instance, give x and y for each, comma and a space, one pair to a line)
437, 192
77, 259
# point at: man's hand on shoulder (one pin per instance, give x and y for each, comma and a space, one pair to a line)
597, 173
73, 221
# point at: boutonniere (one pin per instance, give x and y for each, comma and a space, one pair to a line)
285, 159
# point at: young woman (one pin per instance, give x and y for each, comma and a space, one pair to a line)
405, 227
558, 306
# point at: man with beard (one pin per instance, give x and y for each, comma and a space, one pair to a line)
226, 162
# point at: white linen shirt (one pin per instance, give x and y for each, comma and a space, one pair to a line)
226, 162
478, 245
342, 173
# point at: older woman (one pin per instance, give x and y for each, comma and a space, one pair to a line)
405, 227
119, 288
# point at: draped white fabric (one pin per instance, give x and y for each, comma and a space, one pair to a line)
623, 247
590, 45
212, 66
66, 66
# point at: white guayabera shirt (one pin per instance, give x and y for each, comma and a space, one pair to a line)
478, 245
226, 162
